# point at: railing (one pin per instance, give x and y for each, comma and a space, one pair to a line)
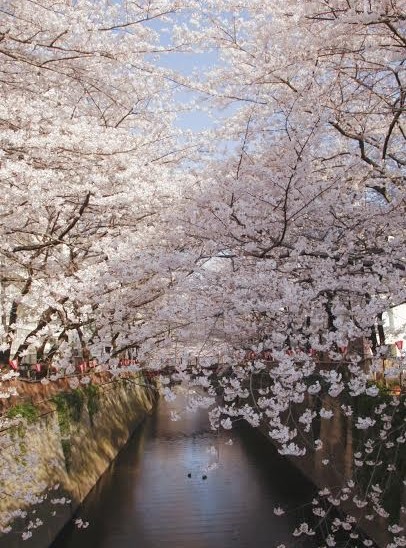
37, 372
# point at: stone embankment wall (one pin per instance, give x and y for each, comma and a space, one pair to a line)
333, 466
68, 447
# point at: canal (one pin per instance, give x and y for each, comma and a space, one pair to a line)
176, 484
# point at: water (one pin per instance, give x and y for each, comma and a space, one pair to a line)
147, 500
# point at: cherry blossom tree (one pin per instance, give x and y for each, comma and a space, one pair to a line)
88, 172
87, 156
301, 227
274, 239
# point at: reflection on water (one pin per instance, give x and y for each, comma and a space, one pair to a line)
147, 499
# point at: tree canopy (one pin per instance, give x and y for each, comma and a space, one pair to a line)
272, 242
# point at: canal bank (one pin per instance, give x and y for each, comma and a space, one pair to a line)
336, 464
69, 446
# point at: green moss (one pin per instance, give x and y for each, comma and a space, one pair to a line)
69, 406
26, 411
92, 395
67, 452
29, 413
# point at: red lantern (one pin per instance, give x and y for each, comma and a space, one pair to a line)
13, 364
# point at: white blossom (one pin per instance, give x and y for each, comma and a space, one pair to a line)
364, 423
326, 413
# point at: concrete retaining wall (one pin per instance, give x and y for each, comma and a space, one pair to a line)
73, 457
339, 446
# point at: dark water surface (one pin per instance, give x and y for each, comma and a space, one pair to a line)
147, 500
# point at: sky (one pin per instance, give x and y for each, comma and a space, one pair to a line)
193, 118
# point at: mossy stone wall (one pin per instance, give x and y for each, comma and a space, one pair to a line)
70, 444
